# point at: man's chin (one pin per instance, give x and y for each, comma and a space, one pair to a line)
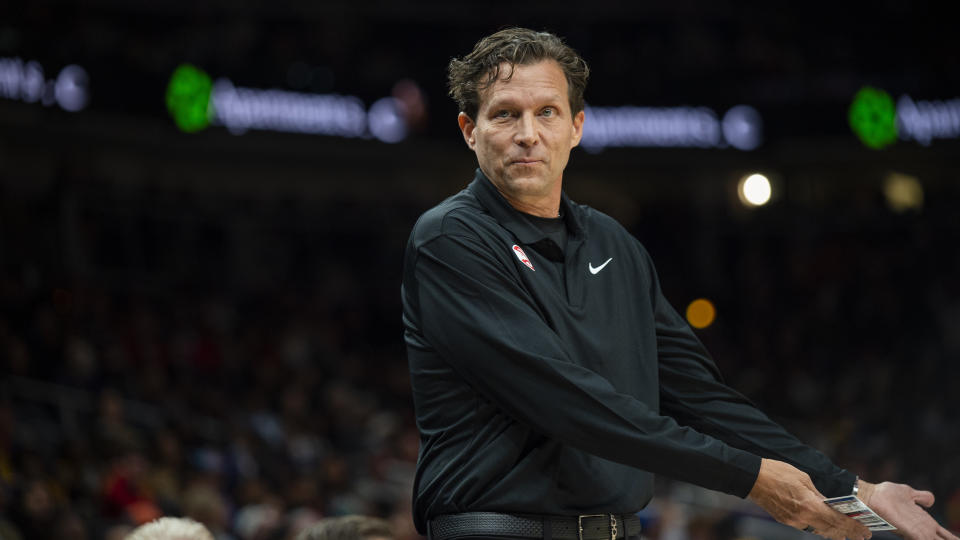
531, 181
528, 186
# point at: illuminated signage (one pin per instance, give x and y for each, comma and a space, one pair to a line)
741, 127
195, 102
25, 81
924, 121
877, 121
873, 117
188, 98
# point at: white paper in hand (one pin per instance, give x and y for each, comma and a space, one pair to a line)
853, 507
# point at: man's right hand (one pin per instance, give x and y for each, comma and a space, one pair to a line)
903, 507
788, 494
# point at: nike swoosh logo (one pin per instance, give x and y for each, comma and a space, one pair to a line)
599, 268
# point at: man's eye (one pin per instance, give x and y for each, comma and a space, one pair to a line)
548, 111
503, 114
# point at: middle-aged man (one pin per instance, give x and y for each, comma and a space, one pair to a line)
550, 376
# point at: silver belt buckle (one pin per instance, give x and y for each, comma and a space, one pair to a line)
613, 525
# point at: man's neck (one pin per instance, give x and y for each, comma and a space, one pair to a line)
542, 209
547, 206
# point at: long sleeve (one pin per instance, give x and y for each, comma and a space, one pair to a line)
470, 307
693, 392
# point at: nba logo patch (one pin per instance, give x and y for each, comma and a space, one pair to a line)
522, 256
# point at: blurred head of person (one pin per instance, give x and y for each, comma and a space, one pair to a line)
348, 528
171, 528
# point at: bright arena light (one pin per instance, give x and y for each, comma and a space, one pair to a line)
754, 190
903, 192
701, 313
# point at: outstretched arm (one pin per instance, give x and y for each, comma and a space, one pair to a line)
793, 477
693, 392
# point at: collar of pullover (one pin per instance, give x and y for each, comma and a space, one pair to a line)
517, 222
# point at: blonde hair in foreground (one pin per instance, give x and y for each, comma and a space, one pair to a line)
348, 528
171, 528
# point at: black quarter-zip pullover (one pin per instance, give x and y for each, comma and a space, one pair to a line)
557, 381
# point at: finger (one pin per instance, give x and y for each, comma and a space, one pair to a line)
944, 534
850, 527
832, 523
923, 498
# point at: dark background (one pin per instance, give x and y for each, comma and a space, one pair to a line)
209, 325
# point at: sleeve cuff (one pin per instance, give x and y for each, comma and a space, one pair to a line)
743, 484
835, 485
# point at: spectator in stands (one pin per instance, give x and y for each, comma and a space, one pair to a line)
348, 528
171, 528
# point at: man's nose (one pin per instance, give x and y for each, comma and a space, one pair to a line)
526, 130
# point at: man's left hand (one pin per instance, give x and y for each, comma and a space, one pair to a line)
900, 505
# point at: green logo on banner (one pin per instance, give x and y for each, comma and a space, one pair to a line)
873, 117
188, 98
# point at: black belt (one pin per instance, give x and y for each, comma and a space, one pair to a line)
583, 527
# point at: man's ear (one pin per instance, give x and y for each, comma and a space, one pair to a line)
577, 128
466, 127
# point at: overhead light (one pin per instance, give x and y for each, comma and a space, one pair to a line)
754, 190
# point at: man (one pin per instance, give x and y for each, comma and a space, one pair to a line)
550, 377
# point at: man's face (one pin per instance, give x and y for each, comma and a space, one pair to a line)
524, 132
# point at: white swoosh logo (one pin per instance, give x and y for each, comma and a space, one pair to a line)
599, 268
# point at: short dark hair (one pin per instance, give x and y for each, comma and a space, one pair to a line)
480, 69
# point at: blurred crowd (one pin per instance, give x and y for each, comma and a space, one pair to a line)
255, 411
240, 362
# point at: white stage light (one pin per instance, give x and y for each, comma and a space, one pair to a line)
754, 190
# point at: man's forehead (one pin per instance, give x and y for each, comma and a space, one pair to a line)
547, 82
